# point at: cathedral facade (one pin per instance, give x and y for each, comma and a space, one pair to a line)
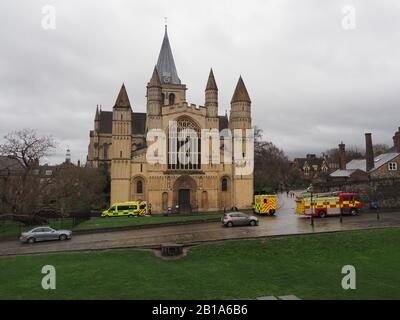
119, 142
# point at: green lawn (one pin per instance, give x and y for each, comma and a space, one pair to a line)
11, 228
308, 266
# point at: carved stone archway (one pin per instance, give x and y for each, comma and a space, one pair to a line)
185, 194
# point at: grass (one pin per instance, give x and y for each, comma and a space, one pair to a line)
308, 266
11, 228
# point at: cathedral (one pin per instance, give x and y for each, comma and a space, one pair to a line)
119, 143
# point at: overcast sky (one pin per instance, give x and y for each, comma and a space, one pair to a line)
312, 82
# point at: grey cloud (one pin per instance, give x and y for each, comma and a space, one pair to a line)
312, 83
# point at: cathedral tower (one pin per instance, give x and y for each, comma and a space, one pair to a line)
240, 119
121, 148
173, 91
154, 102
211, 102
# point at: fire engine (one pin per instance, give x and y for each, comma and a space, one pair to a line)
323, 205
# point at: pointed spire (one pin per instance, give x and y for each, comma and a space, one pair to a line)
166, 64
211, 84
122, 99
97, 117
241, 94
155, 79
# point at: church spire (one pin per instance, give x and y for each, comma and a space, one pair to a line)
211, 84
241, 94
122, 99
166, 64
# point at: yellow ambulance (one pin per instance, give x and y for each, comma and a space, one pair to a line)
265, 204
126, 209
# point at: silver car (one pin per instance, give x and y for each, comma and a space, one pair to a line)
238, 219
44, 234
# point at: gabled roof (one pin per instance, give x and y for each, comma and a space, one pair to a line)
360, 165
211, 84
240, 94
379, 161
166, 64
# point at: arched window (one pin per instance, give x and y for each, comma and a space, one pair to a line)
184, 145
139, 187
224, 184
171, 99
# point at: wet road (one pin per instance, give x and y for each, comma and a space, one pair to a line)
284, 223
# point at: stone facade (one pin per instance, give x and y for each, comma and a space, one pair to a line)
118, 142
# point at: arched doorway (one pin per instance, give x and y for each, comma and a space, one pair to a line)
185, 194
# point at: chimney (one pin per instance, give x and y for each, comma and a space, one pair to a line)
369, 152
396, 141
342, 156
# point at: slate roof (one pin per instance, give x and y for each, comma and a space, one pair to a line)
360, 164
166, 64
223, 122
106, 121
138, 122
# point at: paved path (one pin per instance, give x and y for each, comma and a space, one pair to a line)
284, 223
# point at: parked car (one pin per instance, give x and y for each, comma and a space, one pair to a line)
44, 234
238, 219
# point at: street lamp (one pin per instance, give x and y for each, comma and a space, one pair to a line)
311, 190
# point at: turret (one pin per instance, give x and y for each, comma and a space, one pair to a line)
211, 101
121, 148
97, 120
240, 117
154, 101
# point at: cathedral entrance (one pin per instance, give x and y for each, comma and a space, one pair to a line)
184, 201
184, 194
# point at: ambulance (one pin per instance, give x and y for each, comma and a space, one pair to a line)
324, 205
126, 209
265, 204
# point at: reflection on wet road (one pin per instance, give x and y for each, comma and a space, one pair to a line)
284, 223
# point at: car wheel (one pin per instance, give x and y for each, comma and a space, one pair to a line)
353, 212
229, 224
253, 223
271, 212
63, 237
322, 214
31, 240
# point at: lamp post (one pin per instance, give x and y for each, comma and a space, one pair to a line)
310, 189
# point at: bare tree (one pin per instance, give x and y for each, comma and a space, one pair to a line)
271, 165
23, 190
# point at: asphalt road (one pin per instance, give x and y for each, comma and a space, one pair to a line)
284, 223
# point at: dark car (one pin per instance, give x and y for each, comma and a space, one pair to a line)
238, 219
